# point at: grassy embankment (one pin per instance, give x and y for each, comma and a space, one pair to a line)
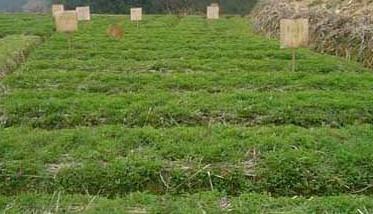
13, 51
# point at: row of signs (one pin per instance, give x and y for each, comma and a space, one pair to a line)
67, 20
83, 13
294, 33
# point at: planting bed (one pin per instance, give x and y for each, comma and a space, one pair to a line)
183, 115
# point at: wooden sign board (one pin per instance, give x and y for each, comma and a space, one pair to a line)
213, 11
84, 13
66, 22
294, 33
136, 14
57, 8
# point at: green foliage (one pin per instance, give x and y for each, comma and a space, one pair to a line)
112, 160
180, 106
13, 50
26, 24
212, 72
209, 202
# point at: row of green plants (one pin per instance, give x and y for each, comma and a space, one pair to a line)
65, 109
26, 24
205, 81
209, 202
112, 160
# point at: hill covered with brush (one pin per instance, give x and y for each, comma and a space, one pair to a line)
341, 28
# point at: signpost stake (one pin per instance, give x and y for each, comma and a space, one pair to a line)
294, 59
70, 43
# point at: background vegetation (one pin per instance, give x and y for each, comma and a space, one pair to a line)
123, 6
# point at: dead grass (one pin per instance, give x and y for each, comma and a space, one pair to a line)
115, 31
344, 29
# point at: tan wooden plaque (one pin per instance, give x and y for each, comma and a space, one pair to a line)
136, 14
84, 13
294, 33
57, 8
66, 21
213, 11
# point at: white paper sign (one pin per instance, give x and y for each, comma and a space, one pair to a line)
84, 13
67, 21
57, 8
213, 11
294, 33
136, 14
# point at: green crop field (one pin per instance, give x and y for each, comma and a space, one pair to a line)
181, 115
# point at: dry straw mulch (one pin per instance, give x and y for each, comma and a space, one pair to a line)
339, 28
115, 31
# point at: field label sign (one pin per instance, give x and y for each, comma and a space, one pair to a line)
84, 13
67, 21
57, 8
213, 11
294, 33
136, 14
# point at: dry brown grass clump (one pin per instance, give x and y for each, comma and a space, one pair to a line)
343, 29
115, 31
